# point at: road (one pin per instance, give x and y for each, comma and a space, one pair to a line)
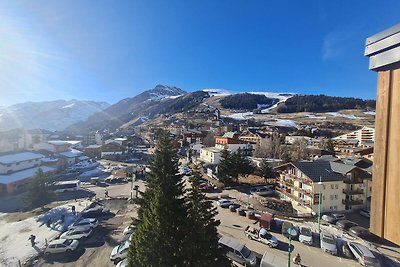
97, 250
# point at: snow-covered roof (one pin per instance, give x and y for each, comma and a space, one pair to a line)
21, 175
73, 142
59, 143
120, 139
73, 153
83, 158
18, 157
49, 160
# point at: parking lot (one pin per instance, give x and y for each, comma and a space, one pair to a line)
96, 249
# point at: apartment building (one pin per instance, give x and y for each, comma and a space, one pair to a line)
343, 187
365, 134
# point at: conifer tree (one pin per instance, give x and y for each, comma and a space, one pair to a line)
39, 191
159, 236
202, 237
223, 171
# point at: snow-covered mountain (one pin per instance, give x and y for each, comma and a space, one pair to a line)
49, 115
144, 105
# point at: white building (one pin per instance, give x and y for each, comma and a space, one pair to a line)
365, 134
72, 156
344, 187
19, 161
211, 155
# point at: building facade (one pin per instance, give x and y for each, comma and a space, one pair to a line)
343, 187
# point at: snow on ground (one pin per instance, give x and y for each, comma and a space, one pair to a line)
283, 123
370, 113
312, 116
69, 106
282, 97
172, 96
241, 116
347, 116
15, 246
217, 92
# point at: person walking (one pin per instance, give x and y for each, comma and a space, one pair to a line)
297, 259
106, 194
32, 238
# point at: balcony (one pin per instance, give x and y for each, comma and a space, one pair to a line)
352, 181
352, 202
357, 191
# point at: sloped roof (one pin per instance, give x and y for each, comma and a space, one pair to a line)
18, 157
341, 167
329, 158
316, 169
21, 175
72, 153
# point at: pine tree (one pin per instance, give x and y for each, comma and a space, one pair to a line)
159, 237
39, 191
202, 237
265, 170
224, 166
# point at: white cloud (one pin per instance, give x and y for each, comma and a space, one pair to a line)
334, 43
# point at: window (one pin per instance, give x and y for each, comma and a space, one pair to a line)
332, 186
323, 197
331, 197
336, 186
335, 196
323, 187
335, 207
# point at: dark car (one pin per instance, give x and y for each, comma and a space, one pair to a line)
94, 212
345, 224
360, 232
234, 207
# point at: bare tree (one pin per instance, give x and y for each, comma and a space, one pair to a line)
299, 150
209, 140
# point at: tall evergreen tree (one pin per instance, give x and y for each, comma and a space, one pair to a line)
265, 170
38, 192
159, 237
202, 237
224, 172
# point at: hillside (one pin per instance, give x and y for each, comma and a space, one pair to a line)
323, 103
49, 115
130, 110
247, 101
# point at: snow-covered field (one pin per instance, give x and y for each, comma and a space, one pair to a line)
312, 116
15, 246
241, 116
347, 116
281, 122
370, 113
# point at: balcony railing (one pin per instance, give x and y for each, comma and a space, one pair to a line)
352, 181
357, 191
352, 202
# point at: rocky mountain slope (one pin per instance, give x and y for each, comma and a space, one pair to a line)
49, 115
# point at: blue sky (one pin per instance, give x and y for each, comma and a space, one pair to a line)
109, 50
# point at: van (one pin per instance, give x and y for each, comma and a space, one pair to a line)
363, 255
237, 251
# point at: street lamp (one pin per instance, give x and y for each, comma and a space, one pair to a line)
319, 204
291, 231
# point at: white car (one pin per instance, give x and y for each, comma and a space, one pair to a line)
328, 243
363, 255
77, 233
263, 190
85, 222
306, 236
61, 245
224, 203
129, 229
123, 263
120, 252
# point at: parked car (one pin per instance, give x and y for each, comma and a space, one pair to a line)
285, 228
345, 224
238, 252
333, 218
360, 232
262, 236
77, 233
306, 236
363, 255
206, 187
120, 252
262, 190
129, 229
85, 222
95, 212
61, 245
328, 243
123, 263
233, 207
365, 213
241, 212
224, 203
